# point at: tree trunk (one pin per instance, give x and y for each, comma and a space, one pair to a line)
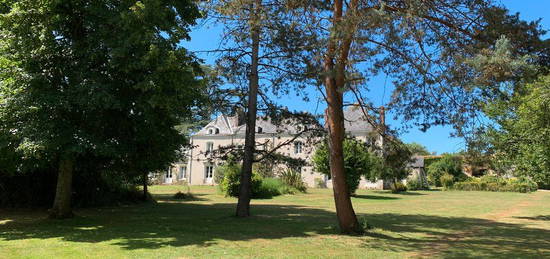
334, 83
245, 191
145, 183
62, 203
347, 219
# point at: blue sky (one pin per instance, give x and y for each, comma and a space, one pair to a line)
204, 38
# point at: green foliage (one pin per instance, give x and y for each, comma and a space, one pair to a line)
418, 149
358, 161
521, 140
450, 164
397, 157
447, 180
262, 188
398, 187
293, 178
365, 225
416, 184
231, 181
90, 188
270, 187
104, 82
496, 184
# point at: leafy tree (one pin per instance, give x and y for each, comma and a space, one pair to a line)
85, 79
420, 44
395, 163
358, 161
448, 164
418, 149
522, 136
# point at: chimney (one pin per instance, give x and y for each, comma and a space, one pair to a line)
238, 118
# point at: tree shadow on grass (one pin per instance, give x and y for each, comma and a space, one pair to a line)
539, 217
375, 197
170, 197
153, 226
456, 237
410, 193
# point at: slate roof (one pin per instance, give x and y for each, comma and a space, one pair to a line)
228, 125
355, 120
222, 123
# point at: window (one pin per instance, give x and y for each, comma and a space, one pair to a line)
208, 171
169, 173
217, 131
210, 131
209, 147
183, 172
260, 130
297, 147
328, 177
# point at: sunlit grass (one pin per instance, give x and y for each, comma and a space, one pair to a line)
414, 224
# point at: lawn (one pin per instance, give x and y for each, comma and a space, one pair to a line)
450, 224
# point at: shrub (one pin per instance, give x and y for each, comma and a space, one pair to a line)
496, 184
521, 184
450, 164
231, 181
365, 225
447, 180
293, 179
398, 187
183, 196
358, 161
415, 184
269, 187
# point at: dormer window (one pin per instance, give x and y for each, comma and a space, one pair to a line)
260, 130
213, 130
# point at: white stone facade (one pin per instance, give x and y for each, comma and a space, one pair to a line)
199, 169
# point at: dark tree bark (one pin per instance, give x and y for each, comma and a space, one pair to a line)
145, 184
334, 83
62, 203
245, 192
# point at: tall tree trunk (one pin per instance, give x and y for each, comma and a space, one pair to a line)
334, 84
145, 183
62, 203
245, 191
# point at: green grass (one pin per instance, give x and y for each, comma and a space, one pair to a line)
450, 224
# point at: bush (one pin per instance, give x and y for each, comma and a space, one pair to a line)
293, 179
398, 187
522, 184
365, 225
268, 188
416, 184
183, 196
447, 180
497, 184
231, 182
358, 161
450, 164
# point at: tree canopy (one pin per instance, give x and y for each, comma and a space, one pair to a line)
84, 79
